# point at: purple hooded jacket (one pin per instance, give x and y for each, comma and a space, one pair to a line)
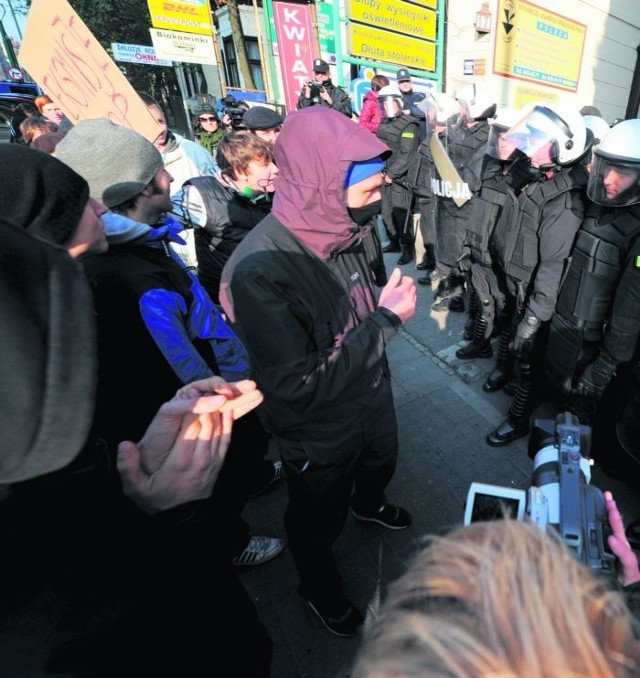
299, 289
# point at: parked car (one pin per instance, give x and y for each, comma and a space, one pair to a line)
8, 102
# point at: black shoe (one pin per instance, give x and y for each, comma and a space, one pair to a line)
408, 255
344, 623
508, 431
422, 266
424, 280
496, 380
393, 517
393, 246
456, 305
473, 350
511, 387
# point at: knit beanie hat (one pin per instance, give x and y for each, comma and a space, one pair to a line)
40, 194
117, 162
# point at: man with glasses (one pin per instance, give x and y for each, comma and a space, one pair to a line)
322, 92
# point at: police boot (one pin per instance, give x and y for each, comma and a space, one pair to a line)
516, 425
479, 347
393, 246
502, 373
456, 305
469, 325
408, 255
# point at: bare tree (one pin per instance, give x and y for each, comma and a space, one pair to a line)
237, 35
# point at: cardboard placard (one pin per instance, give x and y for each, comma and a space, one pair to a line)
70, 65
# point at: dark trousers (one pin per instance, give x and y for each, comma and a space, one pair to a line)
324, 477
396, 213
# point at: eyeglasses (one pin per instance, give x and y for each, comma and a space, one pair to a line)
320, 73
207, 118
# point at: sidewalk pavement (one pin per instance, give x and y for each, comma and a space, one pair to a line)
443, 417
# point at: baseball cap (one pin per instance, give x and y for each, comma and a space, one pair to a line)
403, 74
320, 66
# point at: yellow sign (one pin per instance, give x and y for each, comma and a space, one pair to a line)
395, 15
373, 43
71, 66
538, 45
426, 3
526, 94
187, 16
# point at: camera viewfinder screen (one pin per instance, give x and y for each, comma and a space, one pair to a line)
490, 507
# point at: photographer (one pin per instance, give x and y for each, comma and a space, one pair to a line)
232, 112
322, 92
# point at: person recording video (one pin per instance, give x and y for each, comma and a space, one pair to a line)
322, 92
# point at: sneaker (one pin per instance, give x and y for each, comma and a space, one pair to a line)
345, 624
259, 550
277, 475
393, 517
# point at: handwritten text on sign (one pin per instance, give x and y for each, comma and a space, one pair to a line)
70, 65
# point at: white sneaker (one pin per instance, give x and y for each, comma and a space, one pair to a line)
259, 550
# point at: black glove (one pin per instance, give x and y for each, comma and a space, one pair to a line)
596, 377
526, 333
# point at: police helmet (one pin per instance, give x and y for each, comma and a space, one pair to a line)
390, 101
475, 102
561, 126
614, 179
503, 120
598, 126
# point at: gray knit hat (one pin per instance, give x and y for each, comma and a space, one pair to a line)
117, 162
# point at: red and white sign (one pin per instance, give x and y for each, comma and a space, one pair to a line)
15, 74
295, 46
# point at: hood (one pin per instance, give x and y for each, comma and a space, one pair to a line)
49, 362
313, 152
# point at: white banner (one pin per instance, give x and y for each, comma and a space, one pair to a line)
137, 54
186, 47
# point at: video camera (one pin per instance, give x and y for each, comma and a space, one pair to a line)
314, 91
229, 106
560, 495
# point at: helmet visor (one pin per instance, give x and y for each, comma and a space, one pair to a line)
613, 182
500, 146
540, 129
391, 106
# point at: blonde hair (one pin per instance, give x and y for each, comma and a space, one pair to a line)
500, 598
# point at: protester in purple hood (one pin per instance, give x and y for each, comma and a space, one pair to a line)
299, 289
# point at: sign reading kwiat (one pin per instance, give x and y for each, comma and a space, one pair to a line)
296, 47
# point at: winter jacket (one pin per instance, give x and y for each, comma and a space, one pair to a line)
370, 115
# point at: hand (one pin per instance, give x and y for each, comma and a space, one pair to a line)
325, 96
387, 179
190, 439
525, 334
596, 377
306, 90
399, 295
242, 396
618, 543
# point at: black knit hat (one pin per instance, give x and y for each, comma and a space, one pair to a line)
261, 117
41, 194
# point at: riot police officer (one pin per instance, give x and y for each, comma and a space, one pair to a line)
502, 171
531, 244
401, 133
596, 325
463, 138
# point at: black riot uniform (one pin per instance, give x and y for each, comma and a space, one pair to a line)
402, 136
462, 142
597, 316
531, 245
